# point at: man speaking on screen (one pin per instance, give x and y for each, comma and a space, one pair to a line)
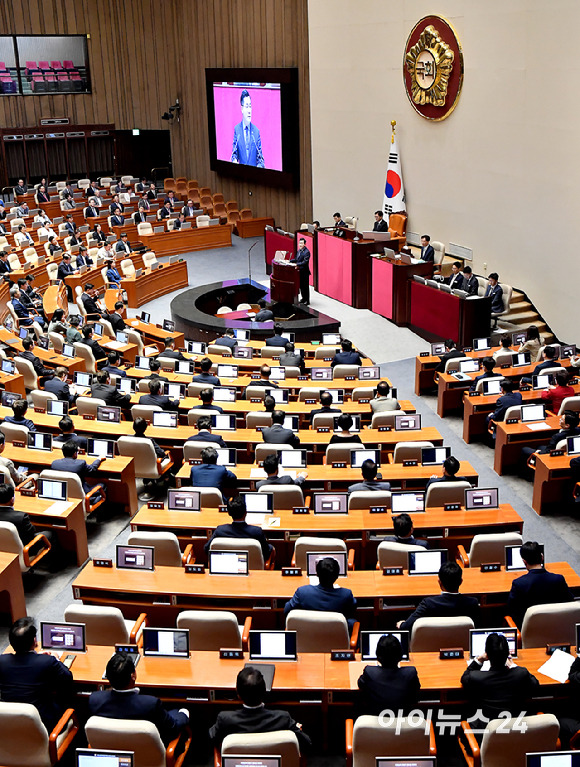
247, 145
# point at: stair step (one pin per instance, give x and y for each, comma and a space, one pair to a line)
520, 317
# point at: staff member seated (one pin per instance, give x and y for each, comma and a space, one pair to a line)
387, 686
382, 403
568, 428
450, 603
451, 352
209, 474
155, 398
470, 282
495, 291
265, 314
271, 467
239, 528
348, 356
27, 676
112, 396
264, 380
488, 364
140, 427
324, 596
125, 701
380, 224
169, 350
325, 405
18, 417
254, 716
505, 400
427, 250
555, 395
403, 529
537, 587
204, 434
450, 469
98, 352
228, 339
277, 434
369, 471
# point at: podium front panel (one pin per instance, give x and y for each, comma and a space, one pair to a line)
335, 268
382, 291
435, 312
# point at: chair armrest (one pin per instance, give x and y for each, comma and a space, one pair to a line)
29, 483
98, 488
472, 743
531, 462
349, 728
172, 755
269, 563
432, 743
166, 468
186, 557
354, 635
246, 632
576, 491
462, 556
575, 740
54, 753
390, 458
293, 560
512, 624
40, 538
491, 427
138, 629
351, 559
217, 757
307, 500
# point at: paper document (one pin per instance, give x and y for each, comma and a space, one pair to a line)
114, 344
557, 666
257, 474
57, 508
537, 426
252, 518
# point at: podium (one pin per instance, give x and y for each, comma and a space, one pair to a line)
284, 283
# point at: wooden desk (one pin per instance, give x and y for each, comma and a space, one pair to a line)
253, 227
49, 357
166, 591
93, 276
361, 530
435, 315
11, 588
13, 383
154, 333
510, 438
152, 284
172, 243
552, 483
54, 298
69, 525
117, 473
329, 478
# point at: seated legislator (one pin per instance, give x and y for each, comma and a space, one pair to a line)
427, 250
169, 350
164, 211
28, 354
67, 432
125, 701
369, 472
228, 339
388, 686
325, 596
206, 376
239, 528
154, 367
403, 529
179, 222
537, 587
555, 395
569, 421
265, 314
103, 389
113, 366
209, 474
25, 316
140, 217
38, 678
338, 223
271, 467
116, 319
455, 279
22, 238
277, 339
277, 434
90, 300
87, 339
504, 687
203, 426
382, 403
347, 355
98, 235
325, 405
18, 417
253, 716
123, 245
269, 404
450, 469
72, 463
58, 386
21, 187
113, 275
264, 379
488, 364
73, 334
16, 476
508, 398
140, 427
451, 353
5, 267
449, 604
380, 224
206, 397
106, 252
117, 219
532, 343
155, 398
495, 291
291, 358
345, 423
548, 360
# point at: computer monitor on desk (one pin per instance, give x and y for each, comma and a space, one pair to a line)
97, 757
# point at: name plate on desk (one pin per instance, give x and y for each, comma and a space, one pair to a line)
554, 453
490, 567
339, 465
89, 416
323, 429
385, 428
506, 365
342, 655
349, 378
424, 354
551, 648
411, 462
511, 420
231, 654
194, 461
364, 401
291, 572
222, 508
451, 653
27, 492
300, 510
255, 376
39, 410
155, 505
475, 394
452, 507
302, 378
377, 509
195, 569
468, 349
18, 443
398, 570
525, 388
100, 562
255, 399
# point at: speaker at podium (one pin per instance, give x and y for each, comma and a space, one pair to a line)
285, 280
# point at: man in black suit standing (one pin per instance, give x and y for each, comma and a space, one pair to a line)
387, 686
451, 352
125, 701
155, 398
537, 586
450, 603
302, 262
254, 716
380, 224
277, 434
36, 678
239, 528
427, 251
505, 687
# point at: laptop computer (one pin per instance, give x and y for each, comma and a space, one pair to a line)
196, 347
437, 349
244, 353
321, 374
426, 562
434, 456
277, 374
481, 498
135, 557
369, 373
370, 639
97, 757
478, 637
223, 394
227, 456
491, 386
481, 344
542, 381
167, 643
227, 371
104, 448
39, 441
553, 759
63, 636
54, 489
272, 645
513, 559
358, 457
280, 395
354, 429
229, 562
184, 499
109, 413
331, 503
407, 501
164, 419
331, 339
573, 445
292, 459
56, 407
470, 365
521, 359
312, 557
533, 413
408, 422
259, 503
223, 422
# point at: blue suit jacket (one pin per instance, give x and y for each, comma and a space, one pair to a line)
444, 606
318, 597
536, 587
502, 404
113, 276
132, 705
346, 358
75, 466
254, 156
206, 436
60, 388
242, 530
496, 294
212, 475
302, 260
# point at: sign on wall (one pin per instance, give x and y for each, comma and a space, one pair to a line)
433, 68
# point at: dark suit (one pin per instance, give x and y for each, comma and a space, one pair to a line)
39, 368
276, 341
455, 281
264, 315
206, 378
289, 359
483, 377
380, 226
212, 475
207, 436
117, 220
60, 388
536, 587
444, 605
5, 267
91, 212
98, 352
21, 521
372, 485
64, 270
502, 404
497, 690
302, 261
117, 322
113, 704
410, 541
20, 421
140, 217
428, 253
161, 400
388, 688
111, 395
226, 341
217, 408
241, 529
76, 466
172, 354
247, 146
82, 260
90, 304
284, 479
323, 410
261, 719
543, 365
80, 441
123, 247
450, 355
113, 370
336, 600
496, 293
39, 679
278, 435
163, 213
346, 358
471, 285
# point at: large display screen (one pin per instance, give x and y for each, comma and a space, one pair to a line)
253, 124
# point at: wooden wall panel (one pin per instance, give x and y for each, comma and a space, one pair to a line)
145, 53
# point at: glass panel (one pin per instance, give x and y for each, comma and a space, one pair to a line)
8, 72
53, 64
